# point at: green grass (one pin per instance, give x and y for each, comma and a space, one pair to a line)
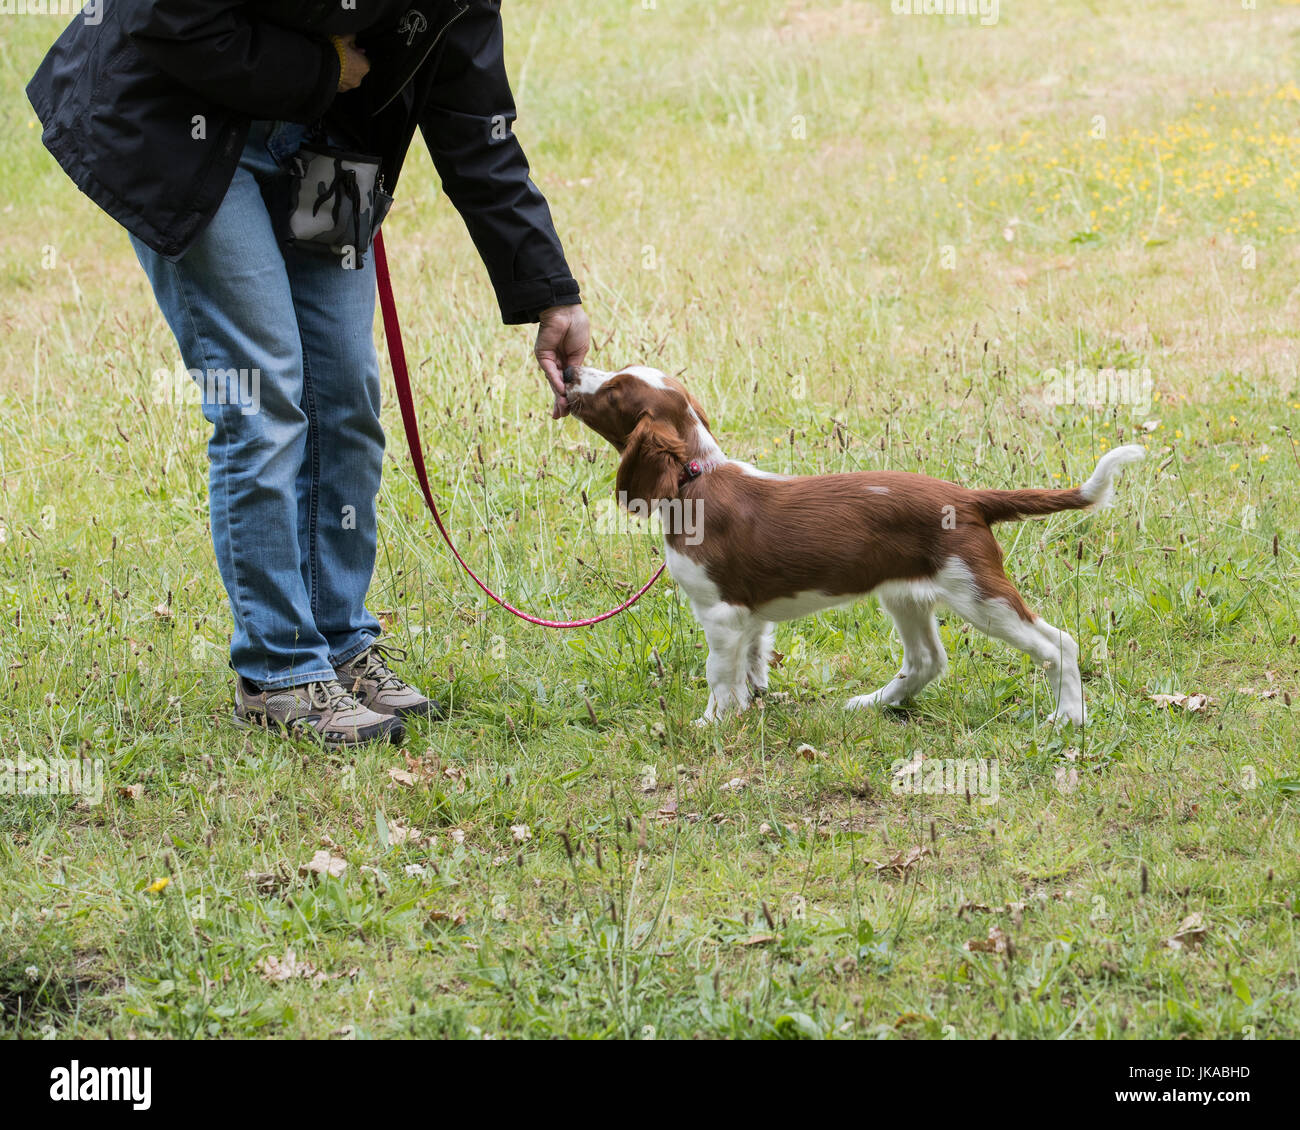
807, 209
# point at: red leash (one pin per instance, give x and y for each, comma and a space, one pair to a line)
397, 355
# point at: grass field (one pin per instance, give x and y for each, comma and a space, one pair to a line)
866, 240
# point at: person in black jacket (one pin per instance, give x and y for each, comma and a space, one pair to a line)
180, 118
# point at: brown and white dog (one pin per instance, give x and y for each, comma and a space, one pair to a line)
776, 547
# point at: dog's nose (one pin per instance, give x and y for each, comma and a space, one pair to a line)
570, 375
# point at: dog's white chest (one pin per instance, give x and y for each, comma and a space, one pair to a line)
692, 578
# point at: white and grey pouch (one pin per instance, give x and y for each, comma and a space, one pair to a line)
336, 202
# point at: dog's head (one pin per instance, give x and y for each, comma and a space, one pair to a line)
650, 419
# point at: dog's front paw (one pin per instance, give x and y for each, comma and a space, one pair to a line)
711, 712
724, 701
863, 701
1073, 715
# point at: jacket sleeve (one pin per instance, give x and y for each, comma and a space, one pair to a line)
221, 51
466, 121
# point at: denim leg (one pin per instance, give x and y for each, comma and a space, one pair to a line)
339, 482
230, 305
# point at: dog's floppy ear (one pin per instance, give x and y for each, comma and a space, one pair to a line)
651, 465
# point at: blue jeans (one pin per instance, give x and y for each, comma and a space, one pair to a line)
296, 448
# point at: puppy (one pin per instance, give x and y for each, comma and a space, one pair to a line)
769, 547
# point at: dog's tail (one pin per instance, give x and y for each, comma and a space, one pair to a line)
1097, 492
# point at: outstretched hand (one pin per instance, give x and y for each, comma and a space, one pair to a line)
563, 338
353, 64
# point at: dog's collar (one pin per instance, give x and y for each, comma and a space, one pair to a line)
693, 470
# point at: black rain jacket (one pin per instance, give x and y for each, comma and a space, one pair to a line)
148, 110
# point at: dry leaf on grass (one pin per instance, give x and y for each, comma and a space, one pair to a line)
1067, 778
271, 882
289, 968
757, 940
399, 835
996, 942
455, 917
421, 771
162, 612
273, 968
131, 792
809, 753
1192, 703
734, 785
1266, 693
1191, 933
903, 862
323, 863
1015, 909
521, 833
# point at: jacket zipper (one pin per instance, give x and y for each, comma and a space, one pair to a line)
460, 11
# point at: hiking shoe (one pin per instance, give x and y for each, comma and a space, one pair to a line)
372, 681
324, 709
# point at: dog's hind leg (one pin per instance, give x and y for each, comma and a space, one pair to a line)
1059, 657
1003, 614
924, 658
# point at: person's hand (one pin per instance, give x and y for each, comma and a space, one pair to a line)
355, 66
563, 338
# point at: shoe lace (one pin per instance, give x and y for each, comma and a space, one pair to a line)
376, 666
330, 695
